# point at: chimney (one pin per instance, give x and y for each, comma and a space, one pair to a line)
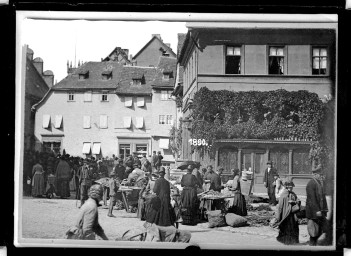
38, 64
126, 51
30, 53
157, 35
130, 57
48, 77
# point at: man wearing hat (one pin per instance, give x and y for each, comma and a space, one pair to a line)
85, 181
316, 206
119, 169
113, 185
269, 181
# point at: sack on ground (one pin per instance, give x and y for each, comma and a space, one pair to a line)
235, 220
216, 219
313, 228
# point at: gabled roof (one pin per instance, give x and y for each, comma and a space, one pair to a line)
128, 73
181, 39
118, 51
165, 65
94, 81
164, 46
34, 83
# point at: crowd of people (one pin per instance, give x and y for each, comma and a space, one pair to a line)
161, 203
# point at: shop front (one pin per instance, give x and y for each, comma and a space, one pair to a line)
290, 158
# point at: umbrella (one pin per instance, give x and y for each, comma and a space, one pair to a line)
102, 181
184, 165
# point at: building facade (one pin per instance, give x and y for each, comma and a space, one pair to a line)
259, 56
109, 108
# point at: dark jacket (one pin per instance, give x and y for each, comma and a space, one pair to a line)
315, 200
269, 177
216, 183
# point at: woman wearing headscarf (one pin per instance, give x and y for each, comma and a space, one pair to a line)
38, 184
285, 215
237, 204
189, 200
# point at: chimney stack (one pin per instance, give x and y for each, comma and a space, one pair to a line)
157, 35
130, 57
48, 77
38, 64
30, 53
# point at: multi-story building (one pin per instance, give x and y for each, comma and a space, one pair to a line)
37, 83
262, 56
109, 107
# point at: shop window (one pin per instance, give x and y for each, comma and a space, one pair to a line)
319, 61
51, 146
280, 160
124, 150
276, 61
301, 162
233, 60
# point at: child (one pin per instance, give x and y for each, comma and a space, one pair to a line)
113, 184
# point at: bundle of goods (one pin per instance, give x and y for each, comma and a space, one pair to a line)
212, 195
216, 219
235, 220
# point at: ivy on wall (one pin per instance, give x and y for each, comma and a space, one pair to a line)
278, 114
175, 135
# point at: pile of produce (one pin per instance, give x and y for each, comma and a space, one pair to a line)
212, 194
259, 218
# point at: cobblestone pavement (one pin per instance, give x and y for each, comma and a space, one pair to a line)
50, 218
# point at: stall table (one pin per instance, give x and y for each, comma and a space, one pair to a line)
123, 190
212, 203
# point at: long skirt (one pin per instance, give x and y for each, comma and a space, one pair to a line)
165, 215
38, 185
190, 206
141, 209
63, 188
289, 231
237, 204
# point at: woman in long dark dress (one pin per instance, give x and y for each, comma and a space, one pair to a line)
38, 184
189, 200
286, 219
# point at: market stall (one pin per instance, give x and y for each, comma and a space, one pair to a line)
212, 200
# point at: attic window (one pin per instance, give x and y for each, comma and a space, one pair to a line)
107, 75
167, 75
137, 81
165, 54
83, 75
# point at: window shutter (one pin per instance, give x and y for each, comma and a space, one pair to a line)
127, 121
86, 122
46, 121
140, 101
103, 121
96, 148
86, 148
139, 122
128, 102
164, 143
58, 121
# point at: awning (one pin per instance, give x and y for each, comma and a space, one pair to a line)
140, 101
139, 122
46, 121
103, 121
86, 122
58, 121
128, 102
127, 121
86, 148
96, 148
164, 143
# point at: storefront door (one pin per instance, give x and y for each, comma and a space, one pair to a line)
255, 161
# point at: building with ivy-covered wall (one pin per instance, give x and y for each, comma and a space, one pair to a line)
260, 55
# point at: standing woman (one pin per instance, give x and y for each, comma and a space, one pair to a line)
38, 184
189, 200
286, 217
63, 175
237, 204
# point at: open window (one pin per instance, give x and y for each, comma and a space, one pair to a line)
276, 60
233, 60
319, 60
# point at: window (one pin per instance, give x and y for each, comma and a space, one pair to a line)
107, 75
139, 122
166, 76
233, 60
276, 60
124, 150
70, 96
136, 81
165, 119
141, 149
127, 121
128, 101
166, 95
104, 97
140, 101
83, 75
87, 96
86, 122
50, 146
46, 121
96, 148
319, 61
58, 121
86, 148
103, 121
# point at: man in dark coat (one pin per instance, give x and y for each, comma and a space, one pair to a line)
165, 215
268, 180
63, 176
85, 181
159, 160
120, 170
154, 160
215, 181
316, 206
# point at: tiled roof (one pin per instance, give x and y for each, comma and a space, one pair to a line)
34, 83
128, 73
168, 49
94, 81
165, 64
181, 39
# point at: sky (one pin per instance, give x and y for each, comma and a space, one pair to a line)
56, 41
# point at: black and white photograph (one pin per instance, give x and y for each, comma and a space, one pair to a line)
165, 130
